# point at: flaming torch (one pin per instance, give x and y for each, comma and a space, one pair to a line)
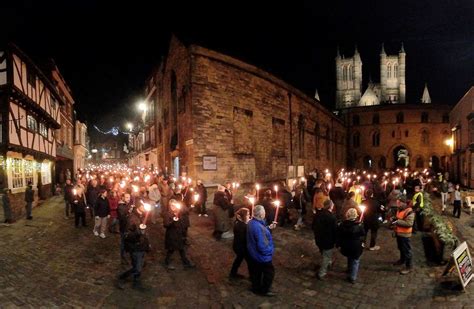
147, 209
277, 205
252, 202
362, 209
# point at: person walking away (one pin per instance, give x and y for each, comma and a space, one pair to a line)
79, 207
300, 200
136, 244
269, 206
201, 203
418, 204
350, 203
113, 204
68, 197
337, 196
7, 211
325, 228
240, 241
102, 213
221, 214
372, 219
286, 204
444, 194
260, 249
92, 194
350, 235
403, 224
29, 198
174, 235
123, 211
457, 202
154, 196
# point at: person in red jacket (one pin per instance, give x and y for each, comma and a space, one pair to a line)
113, 204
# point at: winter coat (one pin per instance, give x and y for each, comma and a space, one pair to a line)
68, 196
350, 203
350, 235
79, 204
92, 195
102, 208
122, 214
202, 191
29, 195
318, 199
259, 241
270, 209
286, 199
324, 228
134, 239
221, 200
372, 212
240, 237
174, 232
113, 204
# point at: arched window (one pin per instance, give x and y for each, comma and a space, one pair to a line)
419, 162
424, 117
344, 73
400, 117
375, 119
382, 162
425, 138
317, 134
328, 143
376, 139
355, 120
395, 70
349, 72
389, 70
356, 140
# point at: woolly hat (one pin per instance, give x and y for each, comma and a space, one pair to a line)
351, 214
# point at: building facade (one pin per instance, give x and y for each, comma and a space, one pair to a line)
30, 113
81, 151
219, 119
65, 135
462, 128
408, 135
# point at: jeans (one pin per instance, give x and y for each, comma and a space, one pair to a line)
112, 225
404, 246
29, 206
444, 200
353, 267
300, 217
457, 208
137, 258
261, 275
327, 261
100, 225
373, 234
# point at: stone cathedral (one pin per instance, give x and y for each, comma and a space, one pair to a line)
391, 89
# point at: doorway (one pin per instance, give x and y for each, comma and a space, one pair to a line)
401, 157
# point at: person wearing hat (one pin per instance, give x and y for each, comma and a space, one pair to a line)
350, 236
403, 225
324, 228
102, 213
240, 241
29, 198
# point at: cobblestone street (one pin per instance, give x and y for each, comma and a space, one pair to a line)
48, 262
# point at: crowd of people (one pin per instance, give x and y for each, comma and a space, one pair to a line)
343, 208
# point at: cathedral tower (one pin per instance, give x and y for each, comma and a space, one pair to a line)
348, 80
392, 77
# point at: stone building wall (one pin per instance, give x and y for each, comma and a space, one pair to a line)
423, 140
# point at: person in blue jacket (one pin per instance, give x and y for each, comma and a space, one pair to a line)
260, 250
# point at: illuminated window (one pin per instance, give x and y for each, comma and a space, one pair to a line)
43, 130
32, 124
16, 167
45, 173
395, 70
389, 70
376, 139
29, 170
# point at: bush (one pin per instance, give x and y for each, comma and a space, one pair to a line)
440, 227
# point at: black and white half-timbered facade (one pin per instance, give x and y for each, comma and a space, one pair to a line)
30, 113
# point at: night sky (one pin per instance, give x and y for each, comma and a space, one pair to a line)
105, 51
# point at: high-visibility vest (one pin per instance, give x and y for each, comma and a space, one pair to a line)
415, 197
401, 215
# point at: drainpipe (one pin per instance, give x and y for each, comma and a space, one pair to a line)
291, 128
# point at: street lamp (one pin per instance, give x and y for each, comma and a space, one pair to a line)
129, 126
142, 106
449, 142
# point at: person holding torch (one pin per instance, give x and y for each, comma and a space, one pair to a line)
174, 235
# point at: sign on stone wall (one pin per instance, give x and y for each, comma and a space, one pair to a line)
209, 163
463, 261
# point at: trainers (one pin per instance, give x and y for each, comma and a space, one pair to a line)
170, 267
199, 215
102, 235
96, 233
405, 271
206, 215
297, 228
227, 235
374, 248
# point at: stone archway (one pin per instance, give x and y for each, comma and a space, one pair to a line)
435, 163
